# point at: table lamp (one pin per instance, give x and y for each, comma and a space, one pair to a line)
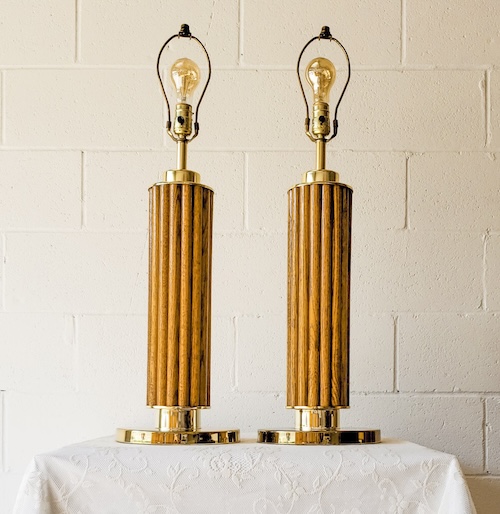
319, 253
180, 275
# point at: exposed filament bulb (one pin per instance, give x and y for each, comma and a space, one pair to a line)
321, 74
185, 75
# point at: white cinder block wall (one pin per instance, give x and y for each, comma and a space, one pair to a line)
82, 138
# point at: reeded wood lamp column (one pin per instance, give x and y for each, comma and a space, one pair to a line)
180, 274
319, 261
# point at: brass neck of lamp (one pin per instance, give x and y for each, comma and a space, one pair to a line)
320, 174
181, 155
316, 419
320, 154
178, 419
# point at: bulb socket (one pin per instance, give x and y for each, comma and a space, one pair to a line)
321, 119
183, 121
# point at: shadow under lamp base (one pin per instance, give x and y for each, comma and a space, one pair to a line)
318, 427
177, 426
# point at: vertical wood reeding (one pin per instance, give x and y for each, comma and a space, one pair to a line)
153, 298
326, 298
318, 295
346, 301
186, 263
205, 305
303, 269
179, 314
293, 281
314, 294
208, 346
162, 221
173, 298
337, 294
196, 296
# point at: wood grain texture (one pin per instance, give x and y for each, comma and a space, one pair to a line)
154, 199
319, 252
304, 253
179, 316
293, 292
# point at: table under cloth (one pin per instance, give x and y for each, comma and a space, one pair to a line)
102, 476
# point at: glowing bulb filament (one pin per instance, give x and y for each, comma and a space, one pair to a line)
320, 74
185, 75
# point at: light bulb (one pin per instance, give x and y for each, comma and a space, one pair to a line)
185, 75
320, 74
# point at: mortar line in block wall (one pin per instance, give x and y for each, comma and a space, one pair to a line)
258, 233
76, 352
78, 31
244, 235
4, 270
387, 394
234, 381
138, 313
235, 150
407, 192
484, 300
412, 313
2, 107
430, 394
267, 150
83, 204
249, 67
238, 149
419, 67
487, 105
45, 230
403, 32
3, 444
396, 355
240, 32
246, 226
232, 376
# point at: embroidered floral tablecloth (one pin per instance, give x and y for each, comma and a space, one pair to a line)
102, 476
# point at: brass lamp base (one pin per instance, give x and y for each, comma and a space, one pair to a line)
318, 427
124, 435
176, 425
331, 437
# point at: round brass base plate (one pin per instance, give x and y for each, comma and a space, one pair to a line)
124, 435
331, 437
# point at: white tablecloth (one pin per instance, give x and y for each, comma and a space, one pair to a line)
103, 476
